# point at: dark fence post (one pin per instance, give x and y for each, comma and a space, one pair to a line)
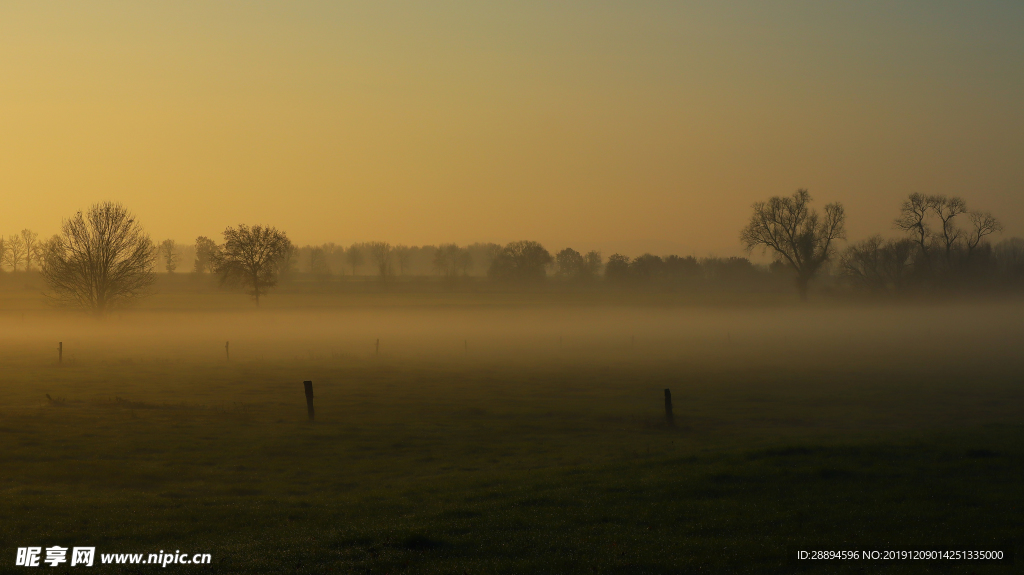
60, 352
227, 350
309, 397
377, 352
668, 407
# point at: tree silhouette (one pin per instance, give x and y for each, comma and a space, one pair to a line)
523, 261
354, 256
206, 255
380, 253
253, 257
646, 267
403, 254
16, 252
32, 252
100, 259
681, 270
958, 245
879, 265
617, 268
450, 260
947, 209
289, 263
982, 224
570, 263
913, 219
594, 263
1009, 255
170, 257
577, 267
318, 264
796, 234
483, 254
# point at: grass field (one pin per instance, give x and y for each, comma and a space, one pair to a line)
516, 440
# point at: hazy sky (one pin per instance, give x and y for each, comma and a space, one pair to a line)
623, 126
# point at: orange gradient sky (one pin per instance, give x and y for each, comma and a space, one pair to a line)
620, 126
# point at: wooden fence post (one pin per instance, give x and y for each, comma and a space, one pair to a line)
227, 350
377, 352
60, 352
668, 407
309, 397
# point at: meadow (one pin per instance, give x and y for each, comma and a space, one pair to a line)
488, 434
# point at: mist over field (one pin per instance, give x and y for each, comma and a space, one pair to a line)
490, 433
526, 287
743, 335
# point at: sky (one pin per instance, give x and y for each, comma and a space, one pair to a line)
622, 126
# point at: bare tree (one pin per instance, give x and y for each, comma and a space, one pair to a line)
354, 256
796, 234
982, 224
207, 252
947, 209
879, 265
100, 259
913, 219
28, 237
380, 253
3, 253
16, 252
252, 257
170, 257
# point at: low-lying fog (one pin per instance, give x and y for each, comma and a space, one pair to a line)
812, 334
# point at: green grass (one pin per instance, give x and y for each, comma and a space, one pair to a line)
502, 465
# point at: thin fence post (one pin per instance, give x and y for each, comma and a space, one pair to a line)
60, 352
377, 352
309, 397
227, 350
668, 407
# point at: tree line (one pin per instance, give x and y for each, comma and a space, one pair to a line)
20, 251
102, 257
944, 246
